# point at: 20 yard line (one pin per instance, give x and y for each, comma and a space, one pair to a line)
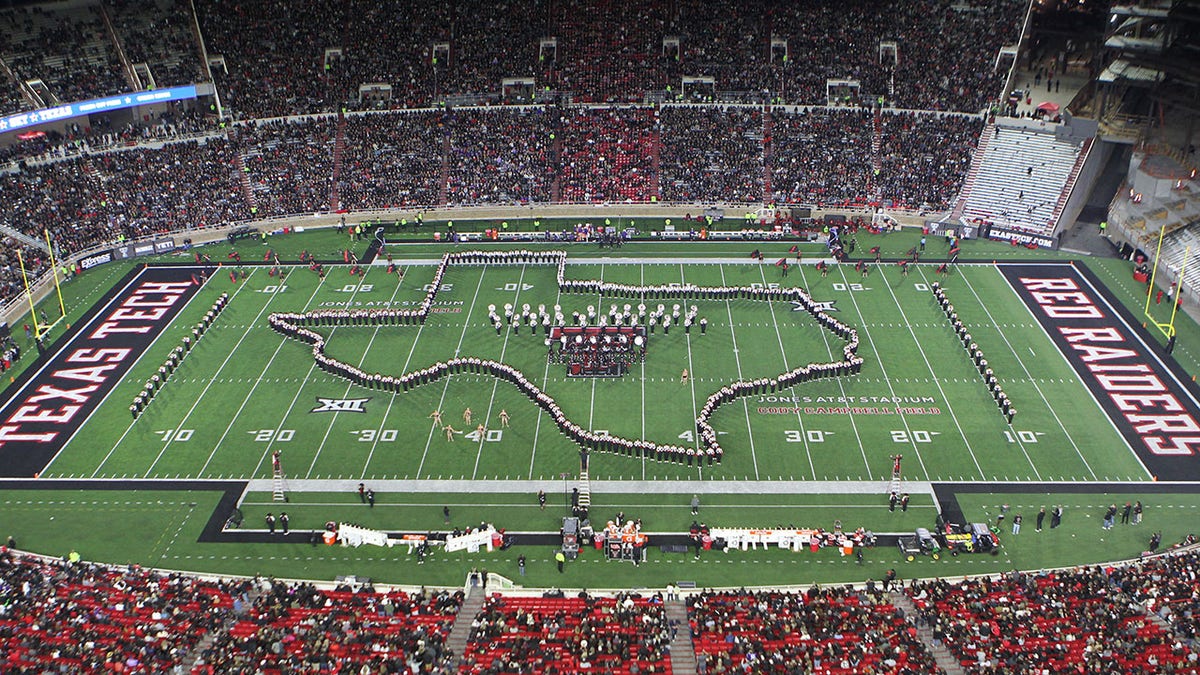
445, 388
903, 418
783, 353
738, 360
254, 388
366, 352
496, 382
936, 382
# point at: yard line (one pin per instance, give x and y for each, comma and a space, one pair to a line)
496, 382
841, 387
936, 383
642, 282
253, 388
349, 387
388, 411
1016, 438
903, 418
1030, 376
91, 320
783, 353
312, 367
738, 360
545, 380
446, 387
245, 282
687, 337
599, 311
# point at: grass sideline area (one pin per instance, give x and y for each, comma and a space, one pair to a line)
234, 412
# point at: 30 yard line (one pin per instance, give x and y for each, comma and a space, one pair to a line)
936, 382
903, 418
392, 400
842, 388
783, 353
246, 400
366, 352
642, 282
291, 406
445, 388
496, 382
738, 360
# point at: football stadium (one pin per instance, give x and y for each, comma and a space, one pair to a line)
595, 337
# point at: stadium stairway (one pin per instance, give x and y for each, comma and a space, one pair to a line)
456, 641
339, 149
1072, 178
655, 163
683, 651
240, 167
444, 180
944, 658
768, 197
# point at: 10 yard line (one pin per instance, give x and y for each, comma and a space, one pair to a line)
738, 359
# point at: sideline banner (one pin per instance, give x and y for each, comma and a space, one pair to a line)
55, 402
1152, 407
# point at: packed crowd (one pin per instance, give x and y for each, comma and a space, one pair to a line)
821, 156
299, 628
392, 160
712, 154
1169, 586
561, 635
836, 629
72, 616
608, 155
289, 164
500, 156
924, 159
1082, 620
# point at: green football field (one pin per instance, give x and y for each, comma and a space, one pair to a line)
245, 392
819, 452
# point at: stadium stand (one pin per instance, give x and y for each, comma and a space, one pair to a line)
59, 616
712, 154
289, 164
826, 630
501, 155
68, 49
161, 37
822, 156
608, 154
299, 628
392, 159
568, 635
1077, 620
1022, 175
924, 158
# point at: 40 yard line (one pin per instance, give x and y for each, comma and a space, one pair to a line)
496, 382
738, 360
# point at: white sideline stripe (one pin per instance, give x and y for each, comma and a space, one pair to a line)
738, 359
446, 387
496, 381
349, 386
783, 353
903, 418
213, 379
531, 487
936, 382
841, 387
257, 381
1028, 374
